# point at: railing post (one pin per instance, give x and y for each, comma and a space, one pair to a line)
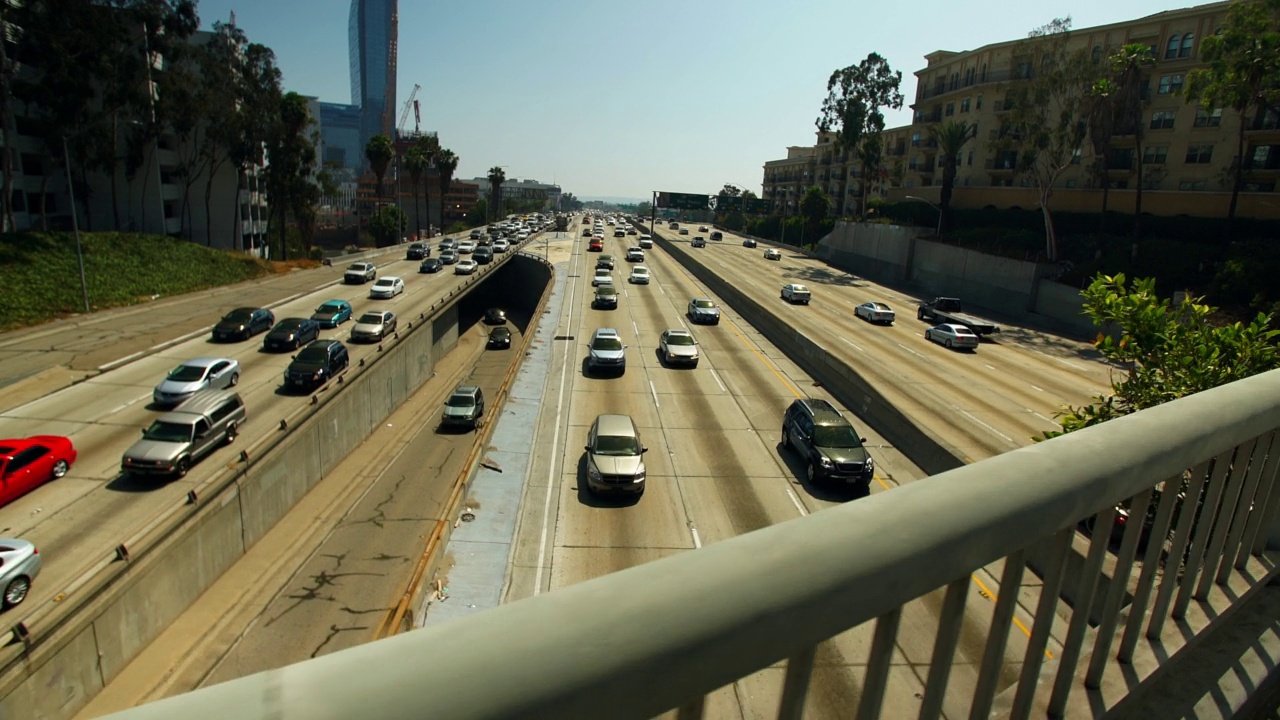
878, 666
1138, 508
796, 685
1085, 592
1043, 623
998, 635
944, 647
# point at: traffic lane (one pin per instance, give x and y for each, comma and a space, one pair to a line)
338, 597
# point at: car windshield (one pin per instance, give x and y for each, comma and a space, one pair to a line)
606, 290
188, 373
329, 308
703, 304
357, 267
384, 282
679, 339
461, 401
614, 445
316, 355
607, 344
835, 436
168, 432
289, 325
799, 288
639, 271
961, 331
500, 332
238, 316
371, 319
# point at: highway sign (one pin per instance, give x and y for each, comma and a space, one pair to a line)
728, 203
682, 201
756, 206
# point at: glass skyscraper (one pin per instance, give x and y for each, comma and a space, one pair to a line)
372, 49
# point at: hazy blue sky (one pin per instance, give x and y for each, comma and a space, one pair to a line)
615, 98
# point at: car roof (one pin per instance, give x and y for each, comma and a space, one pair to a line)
334, 302
823, 412
677, 331
205, 361
466, 390
387, 279
615, 425
381, 313
957, 328
605, 332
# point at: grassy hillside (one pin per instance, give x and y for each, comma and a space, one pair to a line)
41, 280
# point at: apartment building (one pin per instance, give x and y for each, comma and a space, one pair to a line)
1186, 157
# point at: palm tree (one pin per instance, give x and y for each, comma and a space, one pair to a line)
446, 164
951, 137
1128, 65
379, 152
1101, 103
416, 163
428, 146
870, 153
497, 176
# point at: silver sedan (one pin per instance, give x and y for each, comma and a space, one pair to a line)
19, 565
194, 375
677, 347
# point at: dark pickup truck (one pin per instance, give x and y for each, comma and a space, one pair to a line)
949, 310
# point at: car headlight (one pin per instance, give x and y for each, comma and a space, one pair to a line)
241, 328
870, 464
638, 478
826, 462
593, 473
290, 338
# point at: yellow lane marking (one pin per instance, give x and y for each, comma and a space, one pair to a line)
993, 597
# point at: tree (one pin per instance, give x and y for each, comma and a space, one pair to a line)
1045, 121
291, 167
497, 176
731, 190
446, 165
814, 206
951, 137
416, 163
1168, 351
1128, 70
1101, 103
1241, 72
379, 152
870, 154
387, 224
478, 214
854, 108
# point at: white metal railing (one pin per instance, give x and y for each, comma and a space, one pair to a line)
633, 644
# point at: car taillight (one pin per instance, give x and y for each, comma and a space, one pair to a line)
35, 550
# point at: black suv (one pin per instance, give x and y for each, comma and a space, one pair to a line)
318, 363
827, 442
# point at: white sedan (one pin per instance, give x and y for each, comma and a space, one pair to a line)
795, 293
466, 247
953, 336
875, 312
603, 276
501, 245
639, 275
465, 267
772, 254
387, 286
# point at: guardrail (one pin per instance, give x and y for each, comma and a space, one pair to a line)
663, 635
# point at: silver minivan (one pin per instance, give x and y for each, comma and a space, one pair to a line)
180, 438
606, 352
615, 456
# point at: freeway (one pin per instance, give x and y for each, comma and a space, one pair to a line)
78, 521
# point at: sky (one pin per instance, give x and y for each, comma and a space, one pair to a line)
621, 99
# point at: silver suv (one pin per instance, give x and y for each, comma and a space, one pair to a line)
606, 351
704, 310
178, 439
615, 456
464, 407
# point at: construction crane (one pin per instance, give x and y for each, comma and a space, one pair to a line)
412, 102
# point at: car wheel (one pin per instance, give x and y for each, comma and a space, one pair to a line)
231, 434
235, 380
180, 470
16, 591
812, 473
786, 440
947, 344
928, 336
60, 468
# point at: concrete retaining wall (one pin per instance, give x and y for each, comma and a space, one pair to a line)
66, 666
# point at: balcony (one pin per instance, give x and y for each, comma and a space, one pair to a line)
933, 117
1001, 164
992, 76
666, 634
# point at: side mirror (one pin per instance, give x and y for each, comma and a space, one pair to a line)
644, 450
862, 439
587, 448
143, 430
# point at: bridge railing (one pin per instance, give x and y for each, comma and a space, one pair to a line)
1197, 478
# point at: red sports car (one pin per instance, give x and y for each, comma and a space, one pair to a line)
29, 463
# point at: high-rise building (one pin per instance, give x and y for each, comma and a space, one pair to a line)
373, 37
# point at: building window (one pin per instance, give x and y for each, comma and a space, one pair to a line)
1170, 84
32, 164
1191, 185
951, 109
955, 80
1162, 120
1071, 183
19, 201
1155, 154
970, 76
1208, 118
1264, 157
1199, 154
1097, 54
970, 160
1171, 50
1269, 186
964, 105
1188, 41
915, 139
1076, 156
1150, 184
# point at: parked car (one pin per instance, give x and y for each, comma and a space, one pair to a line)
605, 351
374, 326
677, 347
827, 443
615, 456
795, 293
772, 254
430, 265
243, 323
417, 251
181, 437
951, 335
495, 316
875, 312
20, 563
464, 408
28, 463
386, 288
193, 376
332, 313
500, 337
703, 310
606, 296
316, 364
465, 267
639, 275
361, 272
291, 334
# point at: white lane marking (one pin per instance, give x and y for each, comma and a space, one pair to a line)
654, 391
697, 541
122, 406
994, 431
1038, 389
664, 292
716, 377
795, 500
121, 361
913, 352
990, 367
636, 327
853, 345
1070, 364
1033, 412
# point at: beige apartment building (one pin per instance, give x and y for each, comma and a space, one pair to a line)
1187, 153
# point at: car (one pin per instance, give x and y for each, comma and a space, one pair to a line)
605, 351
717, 236
673, 226
596, 245
631, 230
464, 407
702, 228
291, 334
448, 257
772, 254
953, 336
703, 310
243, 323
795, 293
677, 347
605, 261
359, 273
586, 232
615, 456
193, 376
386, 287
181, 437
606, 296
483, 255
747, 243
603, 276
475, 234
417, 251
20, 563
635, 254
875, 312
684, 231
332, 313
448, 244
465, 267
500, 337
619, 232
28, 463
466, 247
827, 443
639, 275
373, 326
495, 316
646, 242
430, 265
698, 242
316, 364
500, 246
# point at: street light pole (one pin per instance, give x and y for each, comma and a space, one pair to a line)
937, 233
75, 224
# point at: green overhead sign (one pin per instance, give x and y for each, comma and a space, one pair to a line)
682, 201
756, 206
728, 203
